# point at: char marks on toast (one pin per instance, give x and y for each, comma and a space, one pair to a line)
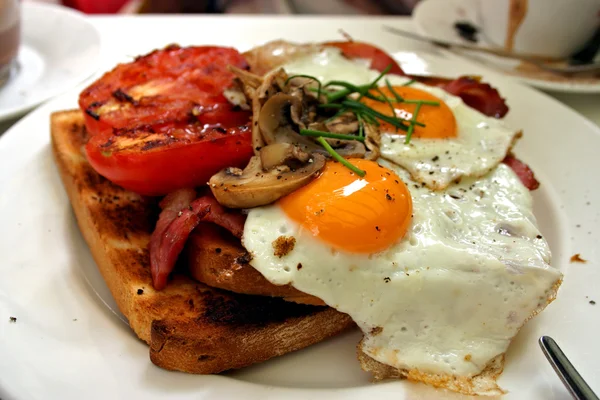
189, 326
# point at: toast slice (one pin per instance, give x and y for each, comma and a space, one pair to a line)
189, 326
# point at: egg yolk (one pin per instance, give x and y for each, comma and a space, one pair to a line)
439, 120
353, 214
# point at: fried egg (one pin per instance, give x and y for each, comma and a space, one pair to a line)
453, 141
438, 281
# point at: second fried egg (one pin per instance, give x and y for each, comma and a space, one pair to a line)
456, 140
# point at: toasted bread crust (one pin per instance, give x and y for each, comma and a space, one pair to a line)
217, 258
189, 326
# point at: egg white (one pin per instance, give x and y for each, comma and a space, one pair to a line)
482, 142
449, 296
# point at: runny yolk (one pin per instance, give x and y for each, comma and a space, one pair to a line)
439, 121
354, 214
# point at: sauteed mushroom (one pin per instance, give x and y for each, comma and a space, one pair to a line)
372, 142
254, 187
274, 117
275, 125
345, 123
282, 154
286, 118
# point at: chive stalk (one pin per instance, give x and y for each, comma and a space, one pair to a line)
314, 133
413, 121
339, 158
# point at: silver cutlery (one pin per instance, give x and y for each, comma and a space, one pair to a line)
567, 373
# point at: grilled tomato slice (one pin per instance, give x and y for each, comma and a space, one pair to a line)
161, 122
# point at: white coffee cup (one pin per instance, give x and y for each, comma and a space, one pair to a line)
10, 36
553, 28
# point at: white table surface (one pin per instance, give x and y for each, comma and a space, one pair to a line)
135, 35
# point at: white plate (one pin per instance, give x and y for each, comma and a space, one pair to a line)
59, 49
66, 344
436, 18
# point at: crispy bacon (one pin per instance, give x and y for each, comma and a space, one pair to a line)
175, 223
523, 171
479, 95
180, 215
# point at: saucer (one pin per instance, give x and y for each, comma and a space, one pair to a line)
59, 49
436, 18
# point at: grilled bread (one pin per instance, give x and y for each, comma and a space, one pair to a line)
189, 326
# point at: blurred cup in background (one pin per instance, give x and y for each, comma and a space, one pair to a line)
10, 36
553, 28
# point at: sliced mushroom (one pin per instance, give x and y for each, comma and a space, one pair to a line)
257, 138
274, 116
304, 143
351, 149
257, 90
372, 141
254, 187
317, 126
281, 107
277, 154
303, 112
308, 87
345, 123
272, 83
345, 148
276, 127
270, 86
247, 78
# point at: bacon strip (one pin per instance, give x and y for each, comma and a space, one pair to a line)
523, 171
478, 95
231, 220
179, 217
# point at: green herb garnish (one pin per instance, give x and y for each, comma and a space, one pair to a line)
311, 132
423, 102
348, 90
413, 121
338, 96
381, 75
361, 126
339, 158
398, 98
389, 103
366, 110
